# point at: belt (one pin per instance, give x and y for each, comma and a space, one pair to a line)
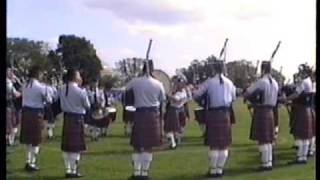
220, 108
76, 115
32, 109
147, 109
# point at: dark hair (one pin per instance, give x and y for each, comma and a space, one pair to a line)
33, 73
70, 76
218, 68
266, 68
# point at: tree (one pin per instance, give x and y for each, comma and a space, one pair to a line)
77, 52
23, 53
130, 67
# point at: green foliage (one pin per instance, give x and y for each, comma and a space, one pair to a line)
77, 52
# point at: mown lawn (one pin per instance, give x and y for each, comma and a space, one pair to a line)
110, 157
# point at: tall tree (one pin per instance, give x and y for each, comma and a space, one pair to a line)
77, 52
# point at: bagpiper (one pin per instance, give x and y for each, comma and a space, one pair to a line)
262, 127
221, 93
74, 104
148, 94
302, 117
34, 97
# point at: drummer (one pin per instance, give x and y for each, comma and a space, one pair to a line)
97, 100
128, 111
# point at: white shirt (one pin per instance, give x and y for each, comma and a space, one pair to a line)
270, 90
99, 95
11, 90
35, 96
305, 86
219, 94
148, 92
77, 100
181, 98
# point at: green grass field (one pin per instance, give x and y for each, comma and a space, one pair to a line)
110, 157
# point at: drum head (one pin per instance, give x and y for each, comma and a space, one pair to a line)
130, 108
111, 109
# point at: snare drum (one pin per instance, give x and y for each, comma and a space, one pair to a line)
112, 113
129, 114
199, 115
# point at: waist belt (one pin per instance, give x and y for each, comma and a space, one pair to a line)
36, 110
220, 108
75, 115
147, 109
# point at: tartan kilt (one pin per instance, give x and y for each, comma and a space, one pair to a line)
48, 113
183, 118
73, 139
291, 119
171, 120
18, 116
218, 133
303, 125
262, 126
10, 118
146, 132
31, 126
186, 108
276, 116
314, 121
200, 115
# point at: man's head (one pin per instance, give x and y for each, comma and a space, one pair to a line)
35, 72
305, 70
265, 67
218, 66
73, 75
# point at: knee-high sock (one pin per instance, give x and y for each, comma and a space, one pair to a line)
50, 127
74, 160
270, 153
313, 144
300, 150
29, 153
146, 161
305, 149
35, 152
223, 155
171, 136
213, 161
137, 163
264, 154
67, 163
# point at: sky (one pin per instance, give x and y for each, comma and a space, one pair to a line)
182, 30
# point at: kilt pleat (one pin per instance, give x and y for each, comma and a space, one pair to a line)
73, 139
218, 133
262, 127
172, 121
276, 116
303, 122
314, 121
31, 127
146, 130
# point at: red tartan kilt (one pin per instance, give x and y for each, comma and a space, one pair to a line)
73, 139
171, 121
31, 126
291, 119
303, 123
182, 119
186, 108
10, 119
276, 116
128, 116
218, 133
200, 115
262, 127
146, 130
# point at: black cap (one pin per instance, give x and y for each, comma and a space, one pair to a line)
218, 66
266, 66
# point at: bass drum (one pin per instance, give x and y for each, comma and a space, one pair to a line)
163, 78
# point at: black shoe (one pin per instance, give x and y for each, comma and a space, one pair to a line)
144, 178
299, 162
209, 175
133, 177
69, 175
262, 168
77, 175
29, 168
294, 147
